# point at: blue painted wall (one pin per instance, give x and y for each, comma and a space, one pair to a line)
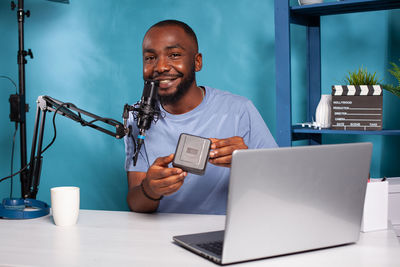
89, 53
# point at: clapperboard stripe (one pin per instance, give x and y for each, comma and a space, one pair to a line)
356, 90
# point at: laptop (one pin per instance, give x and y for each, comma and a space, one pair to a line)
288, 200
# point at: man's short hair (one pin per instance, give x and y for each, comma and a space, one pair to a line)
180, 24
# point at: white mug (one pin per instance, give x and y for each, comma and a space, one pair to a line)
65, 205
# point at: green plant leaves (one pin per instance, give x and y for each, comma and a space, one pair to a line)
361, 77
395, 71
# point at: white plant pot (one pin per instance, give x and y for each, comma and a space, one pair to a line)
310, 2
323, 112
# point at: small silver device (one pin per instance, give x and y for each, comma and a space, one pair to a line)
192, 153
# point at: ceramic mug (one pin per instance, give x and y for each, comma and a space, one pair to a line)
65, 205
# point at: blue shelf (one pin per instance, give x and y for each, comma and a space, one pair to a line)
299, 129
343, 7
310, 16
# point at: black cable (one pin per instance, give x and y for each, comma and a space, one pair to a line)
12, 160
147, 157
54, 126
11, 80
13, 142
21, 170
52, 141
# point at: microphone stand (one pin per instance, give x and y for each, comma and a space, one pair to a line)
15, 208
144, 112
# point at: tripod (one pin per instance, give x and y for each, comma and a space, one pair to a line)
18, 106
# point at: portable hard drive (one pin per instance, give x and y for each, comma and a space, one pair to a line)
192, 153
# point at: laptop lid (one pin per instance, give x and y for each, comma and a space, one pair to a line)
287, 200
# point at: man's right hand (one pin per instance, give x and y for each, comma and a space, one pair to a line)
161, 180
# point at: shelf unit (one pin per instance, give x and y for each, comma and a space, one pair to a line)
310, 17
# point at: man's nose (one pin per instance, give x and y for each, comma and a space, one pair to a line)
162, 65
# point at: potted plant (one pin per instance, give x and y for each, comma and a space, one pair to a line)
358, 104
395, 71
361, 77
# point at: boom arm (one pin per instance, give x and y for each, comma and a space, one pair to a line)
69, 110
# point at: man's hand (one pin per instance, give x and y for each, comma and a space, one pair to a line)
161, 180
222, 149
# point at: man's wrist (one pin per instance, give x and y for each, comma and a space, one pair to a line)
145, 190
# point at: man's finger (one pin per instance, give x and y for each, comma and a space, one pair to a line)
213, 141
164, 161
220, 152
226, 150
165, 182
235, 140
221, 160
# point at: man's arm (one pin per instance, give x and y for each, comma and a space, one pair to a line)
145, 188
137, 201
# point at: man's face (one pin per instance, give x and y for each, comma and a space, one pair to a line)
170, 57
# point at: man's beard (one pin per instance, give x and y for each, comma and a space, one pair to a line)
181, 90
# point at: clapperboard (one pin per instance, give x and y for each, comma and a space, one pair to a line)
357, 107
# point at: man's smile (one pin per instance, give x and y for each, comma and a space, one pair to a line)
167, 82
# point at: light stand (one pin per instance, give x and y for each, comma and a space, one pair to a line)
16, 208
18, 106
17, 102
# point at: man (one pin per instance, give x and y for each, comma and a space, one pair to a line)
171, 57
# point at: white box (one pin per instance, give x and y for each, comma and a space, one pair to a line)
375, 216
394, 200
394, 203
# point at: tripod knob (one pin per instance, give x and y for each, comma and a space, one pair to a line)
28, 13
29, 53
13, 6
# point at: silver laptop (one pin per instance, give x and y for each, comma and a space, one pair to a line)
288, 200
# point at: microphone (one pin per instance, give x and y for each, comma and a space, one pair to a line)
147, 111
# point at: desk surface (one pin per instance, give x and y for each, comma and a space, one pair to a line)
109, 238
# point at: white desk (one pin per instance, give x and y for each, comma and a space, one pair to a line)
107, 238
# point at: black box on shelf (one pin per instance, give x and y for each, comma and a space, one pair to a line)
357, 107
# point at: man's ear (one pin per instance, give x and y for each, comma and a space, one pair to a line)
198, 62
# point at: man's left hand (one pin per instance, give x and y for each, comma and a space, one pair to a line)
222, 149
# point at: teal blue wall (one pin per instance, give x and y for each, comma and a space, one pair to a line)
89, 53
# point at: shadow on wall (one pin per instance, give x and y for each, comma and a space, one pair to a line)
391, 144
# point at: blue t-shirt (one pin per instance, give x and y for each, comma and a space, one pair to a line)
220, 115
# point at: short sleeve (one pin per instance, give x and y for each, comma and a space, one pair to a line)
257, 134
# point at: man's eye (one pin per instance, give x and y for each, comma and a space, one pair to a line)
175, 55
149, 58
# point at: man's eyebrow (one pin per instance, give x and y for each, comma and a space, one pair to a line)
148, 50
175, 46
151, 50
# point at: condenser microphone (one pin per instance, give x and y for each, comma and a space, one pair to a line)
147, 111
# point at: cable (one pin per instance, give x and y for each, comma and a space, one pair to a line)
54, 126
21, 170
11, 80
13, 142
147, 157
140, 152
12, 160
52, 141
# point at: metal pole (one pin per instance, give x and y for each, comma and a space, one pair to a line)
21, 76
